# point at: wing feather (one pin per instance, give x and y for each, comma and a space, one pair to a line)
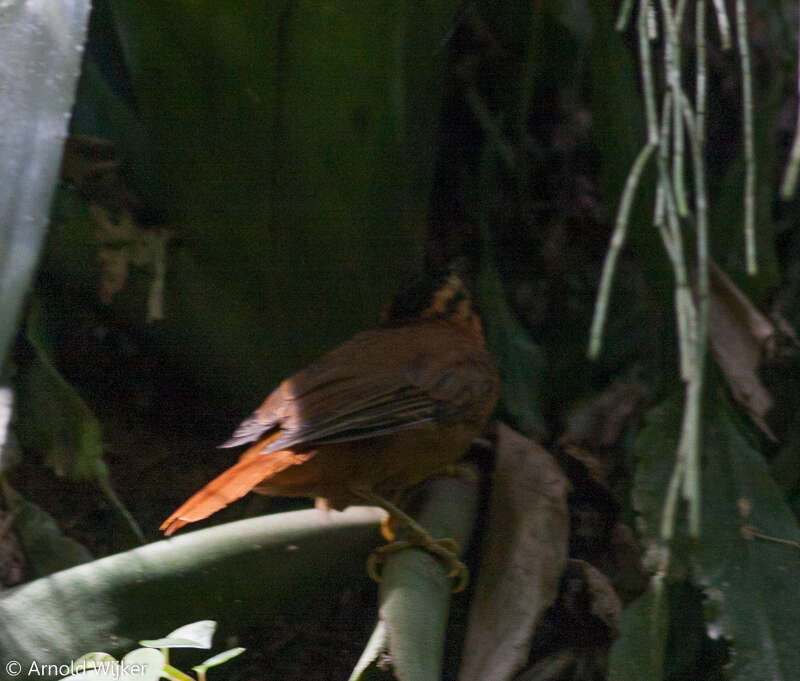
378, 383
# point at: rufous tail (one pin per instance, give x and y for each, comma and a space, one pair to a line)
231, 485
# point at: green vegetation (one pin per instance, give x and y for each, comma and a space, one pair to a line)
244, 185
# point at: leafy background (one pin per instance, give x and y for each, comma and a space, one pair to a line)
244, 186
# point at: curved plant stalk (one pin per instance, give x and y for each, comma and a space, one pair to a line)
790, 175
749, 144
678, 119
623, 211
415, 592
238, 574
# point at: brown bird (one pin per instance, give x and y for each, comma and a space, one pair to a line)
380, 413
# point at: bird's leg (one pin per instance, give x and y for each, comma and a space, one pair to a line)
445, 549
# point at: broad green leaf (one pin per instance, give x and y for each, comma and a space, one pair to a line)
638, 652
281, 152
238, 574
46, 549
41, 44
521, 360
750, 581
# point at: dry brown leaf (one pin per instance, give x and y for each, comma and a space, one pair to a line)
600, 420
555, 666
603, 601
739, 335
625, 568
594, 426
597, 463
122, 242
12, 557
525, 554
93, 167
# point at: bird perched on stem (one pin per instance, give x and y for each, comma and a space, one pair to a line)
375, 416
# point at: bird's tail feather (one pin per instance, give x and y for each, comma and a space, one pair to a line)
229, 486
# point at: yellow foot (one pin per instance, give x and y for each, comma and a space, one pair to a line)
464, 471
446, 550
389, 527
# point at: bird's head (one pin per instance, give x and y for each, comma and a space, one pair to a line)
442, 296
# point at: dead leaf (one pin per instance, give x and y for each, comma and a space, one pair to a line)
123, 243
600, 420
524, 557
788, 335
597, 464
555, 666
12, 557
595, 425
602, 600
739, 336
573, 639
92, 166
627, 573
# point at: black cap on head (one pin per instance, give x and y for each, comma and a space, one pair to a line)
429, 296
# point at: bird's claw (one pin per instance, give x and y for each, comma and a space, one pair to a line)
446, 550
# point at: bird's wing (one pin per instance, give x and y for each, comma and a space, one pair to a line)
378, 383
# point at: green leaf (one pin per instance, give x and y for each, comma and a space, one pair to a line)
46, 549
53, 418
655, 459
201, 632
750, 582
638, 652
170, 642
194, 635
219, 658
40, 47
310, 166
520, 359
